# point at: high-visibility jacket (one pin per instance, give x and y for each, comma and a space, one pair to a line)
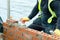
50, 10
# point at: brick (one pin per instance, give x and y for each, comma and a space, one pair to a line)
20, 39
16, 33
44, 36
5, 24
12, 21
27, 36
31, 32
35, 38
6, 39
22, 30
10, 38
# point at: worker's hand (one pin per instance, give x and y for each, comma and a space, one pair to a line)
57, 32
24, 19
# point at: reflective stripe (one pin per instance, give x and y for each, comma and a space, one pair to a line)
51, 11
39, 7
39, 3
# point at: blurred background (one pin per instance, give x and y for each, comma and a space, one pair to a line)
18, 9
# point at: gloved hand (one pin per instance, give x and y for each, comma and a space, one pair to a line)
57, 32
24, 19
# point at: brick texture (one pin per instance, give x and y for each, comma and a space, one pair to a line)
17, 33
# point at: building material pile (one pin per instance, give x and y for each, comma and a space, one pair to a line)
18, 33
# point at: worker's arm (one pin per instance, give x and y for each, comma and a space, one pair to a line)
34, 11
55, 5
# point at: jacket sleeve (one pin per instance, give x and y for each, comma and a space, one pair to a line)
34, 11
55, 5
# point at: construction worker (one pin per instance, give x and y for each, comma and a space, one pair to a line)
49, 18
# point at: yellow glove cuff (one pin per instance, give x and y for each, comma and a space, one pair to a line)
57, 32
26, 18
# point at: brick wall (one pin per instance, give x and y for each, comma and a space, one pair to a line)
17, 33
